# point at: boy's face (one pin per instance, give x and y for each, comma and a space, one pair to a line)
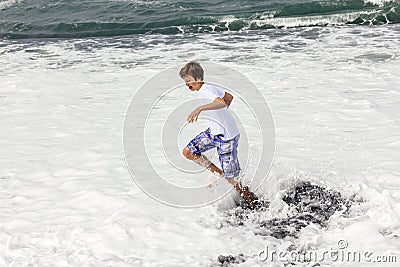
191, 83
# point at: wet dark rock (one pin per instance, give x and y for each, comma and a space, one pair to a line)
310, 204
260, 204
315, 200
229, 260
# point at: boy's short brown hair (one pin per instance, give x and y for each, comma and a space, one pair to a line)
193, 69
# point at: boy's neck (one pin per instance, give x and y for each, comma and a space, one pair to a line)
201, 85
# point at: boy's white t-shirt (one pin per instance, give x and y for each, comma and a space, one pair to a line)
221, 120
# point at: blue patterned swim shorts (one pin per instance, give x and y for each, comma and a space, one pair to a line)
227, 151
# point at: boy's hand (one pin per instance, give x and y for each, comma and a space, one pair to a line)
218, 103
194, 115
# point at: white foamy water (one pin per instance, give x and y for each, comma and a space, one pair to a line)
7, 3
67, 198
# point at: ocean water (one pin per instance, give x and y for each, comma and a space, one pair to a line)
83, 18
68, 70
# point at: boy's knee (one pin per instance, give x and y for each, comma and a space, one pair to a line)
187, 153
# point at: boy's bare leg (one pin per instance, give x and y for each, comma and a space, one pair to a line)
203, 161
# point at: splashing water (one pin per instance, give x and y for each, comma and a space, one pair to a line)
308, 203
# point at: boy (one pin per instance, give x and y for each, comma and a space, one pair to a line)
223, 132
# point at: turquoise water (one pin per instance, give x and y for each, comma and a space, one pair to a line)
85, 18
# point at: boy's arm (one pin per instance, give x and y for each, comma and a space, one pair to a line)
227, 99
218, 103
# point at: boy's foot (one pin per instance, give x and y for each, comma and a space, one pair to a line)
249, 197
